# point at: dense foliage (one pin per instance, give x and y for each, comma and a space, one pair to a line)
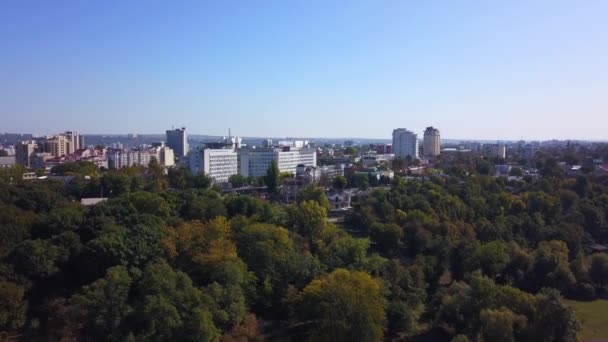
463, 255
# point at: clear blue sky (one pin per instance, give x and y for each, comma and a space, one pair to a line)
474, 69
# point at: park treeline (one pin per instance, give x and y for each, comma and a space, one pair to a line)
168, 257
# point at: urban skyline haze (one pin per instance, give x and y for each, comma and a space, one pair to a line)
476, 70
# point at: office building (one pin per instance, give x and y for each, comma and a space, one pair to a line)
24, 151
177, 140
405, 143
431, 144
255, 162
219, 164
497, 151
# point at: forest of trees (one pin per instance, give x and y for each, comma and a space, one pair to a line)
169, 257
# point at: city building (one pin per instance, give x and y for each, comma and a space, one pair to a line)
369, 159
405, 143
166, 157
255, 162
23, 152
294, 143
119, 158
384, 149
57, 146
497, 151
431, 143
219, 164
529, 151
7, 161
177, 140
39, 160
267, 143
74, 140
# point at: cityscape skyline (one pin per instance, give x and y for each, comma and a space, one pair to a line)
477, 71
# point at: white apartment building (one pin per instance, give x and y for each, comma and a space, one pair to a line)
118, 159
405, 143
431, 144
219, 164
255, 162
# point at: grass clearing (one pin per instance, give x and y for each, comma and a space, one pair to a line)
594, 318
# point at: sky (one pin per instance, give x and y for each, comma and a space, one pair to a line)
474, 69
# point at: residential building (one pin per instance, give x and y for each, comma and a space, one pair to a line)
255, 162
529, 151
177, 140
166, 156
23, 151
405, 143
496, 150
369, 159
384, 149
219, 164
431, 144
74, 140
57, 145
7, 161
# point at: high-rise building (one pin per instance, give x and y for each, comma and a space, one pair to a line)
57, 146
405, 143
219, 164
497, 151
255, 162
431, 145
74, 140
177, 140
24, 151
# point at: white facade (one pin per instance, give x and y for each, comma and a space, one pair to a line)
166, 156
405, 143
255, 162
431, 145
219, 164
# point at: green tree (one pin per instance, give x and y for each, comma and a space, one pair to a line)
405, 298
550, 267
491, 258
103, 305
171, 308
598, 270
37, 258
340, 182
237, 180
314, 193
13, 306
499, 324
556, 320
343, 306
308, 218
272, 178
